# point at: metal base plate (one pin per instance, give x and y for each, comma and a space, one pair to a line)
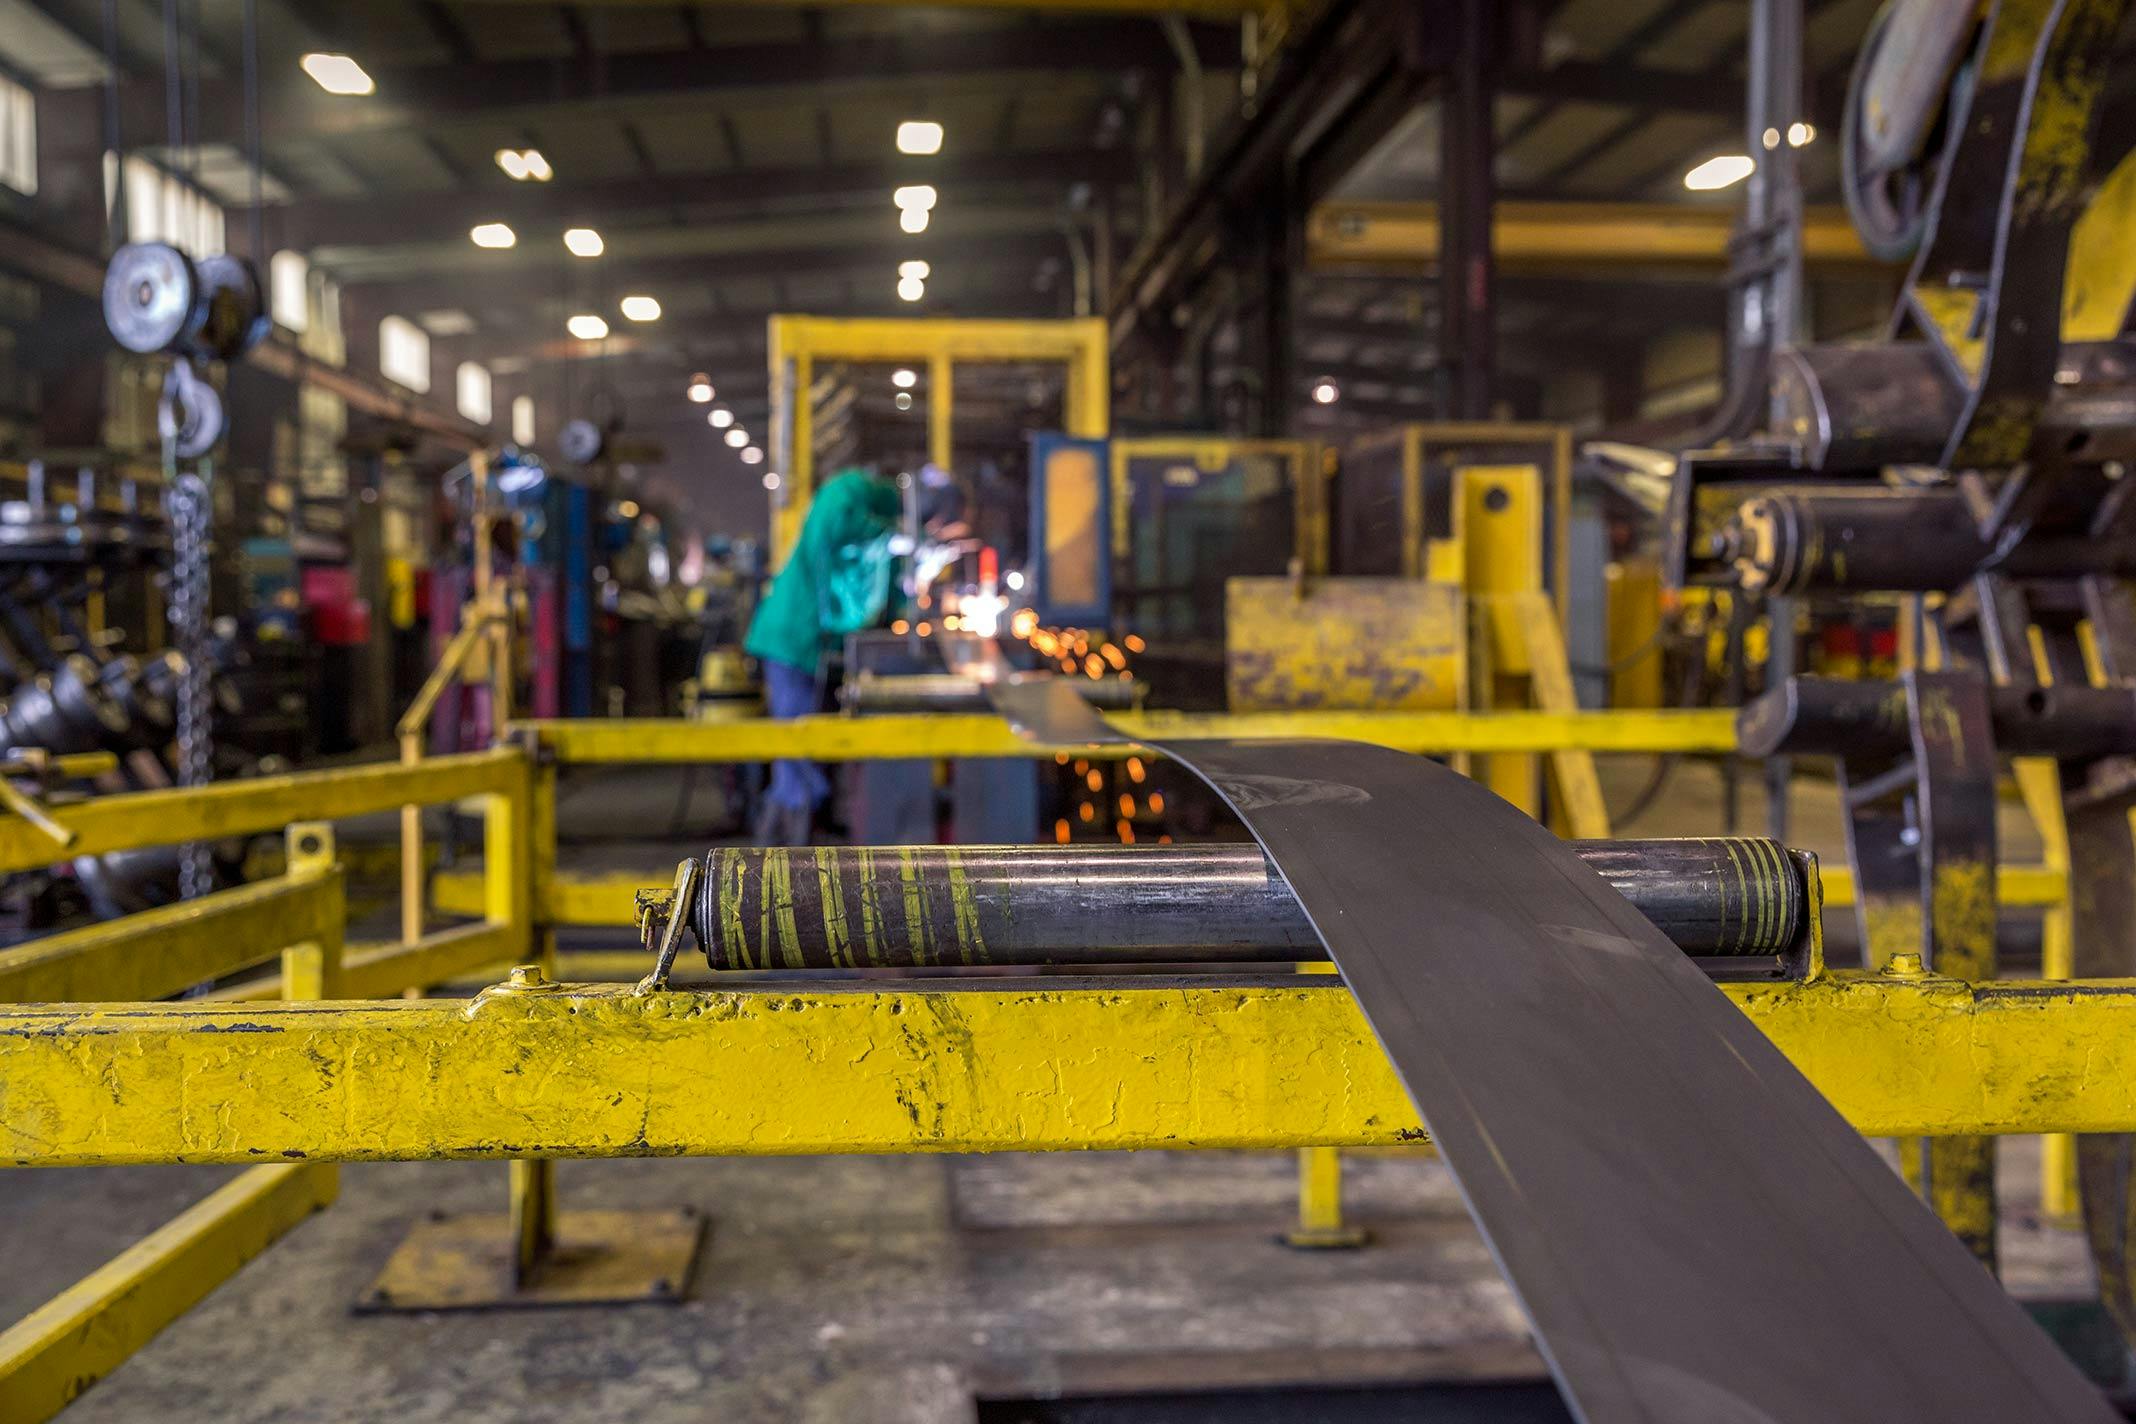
600, 1258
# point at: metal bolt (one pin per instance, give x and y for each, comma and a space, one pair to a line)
528, 976
1906, 966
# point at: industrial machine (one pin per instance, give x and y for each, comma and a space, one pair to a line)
1973, 460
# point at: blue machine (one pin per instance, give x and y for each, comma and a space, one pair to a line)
1069, 577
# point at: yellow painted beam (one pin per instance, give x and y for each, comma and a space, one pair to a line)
2039, 886
53, 1355
832, 738
264, 803
1564, 233
585, 1071
374, 971
160, 952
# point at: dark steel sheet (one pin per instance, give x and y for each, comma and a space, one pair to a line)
1696, 1235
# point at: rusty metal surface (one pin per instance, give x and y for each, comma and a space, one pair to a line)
1390, 644
1695, 1234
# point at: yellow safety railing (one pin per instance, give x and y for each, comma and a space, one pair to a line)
520, 897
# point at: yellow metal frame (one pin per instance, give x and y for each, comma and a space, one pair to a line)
797, 343
1272, 1064
1280, 1064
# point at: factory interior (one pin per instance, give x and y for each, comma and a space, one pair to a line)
707, 713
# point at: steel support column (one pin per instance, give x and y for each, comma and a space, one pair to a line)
1468, 190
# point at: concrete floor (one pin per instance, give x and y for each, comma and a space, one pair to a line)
880, 1289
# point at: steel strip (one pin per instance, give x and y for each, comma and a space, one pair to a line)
1696, 1235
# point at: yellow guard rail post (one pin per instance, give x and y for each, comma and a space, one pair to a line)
56, 1352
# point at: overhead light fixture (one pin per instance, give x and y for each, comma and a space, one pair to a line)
915, 195
628, 509
919, 136
1326, 393
911, 289
913, 220
737, 438
337, 73
492, 235
524, 165
916, 267
721, 418
751, 455
1719, 172
903, 400
700, 389
904, 378
641, 308
584, 242
771, 479
1799, 133
587, 327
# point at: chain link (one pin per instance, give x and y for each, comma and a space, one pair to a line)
189, 505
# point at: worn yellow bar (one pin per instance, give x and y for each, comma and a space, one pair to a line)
831, 738
587, 1071
159, 952
435, 958
2015, 885
265, 803
53, 1355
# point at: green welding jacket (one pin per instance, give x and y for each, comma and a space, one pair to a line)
837, 579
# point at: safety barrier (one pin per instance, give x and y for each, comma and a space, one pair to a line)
2011, 1057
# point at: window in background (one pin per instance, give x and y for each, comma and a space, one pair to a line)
471, 392
289, 291
404, 353
18, 136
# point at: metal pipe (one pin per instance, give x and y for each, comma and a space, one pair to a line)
954, 692
857, 907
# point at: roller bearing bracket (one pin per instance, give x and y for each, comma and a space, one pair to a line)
662, 916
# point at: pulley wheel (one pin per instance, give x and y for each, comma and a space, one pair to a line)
236, 310
1890, 205
152, 297
582, 442
190, 414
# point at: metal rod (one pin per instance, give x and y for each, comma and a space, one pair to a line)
856, 907
954, 692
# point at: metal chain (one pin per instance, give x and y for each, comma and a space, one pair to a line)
189, 506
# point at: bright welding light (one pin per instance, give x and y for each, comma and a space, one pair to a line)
915, 267
700, 390
642, 308
721, 417
587, 327
751, 455
337, 74
737, 438
1326, 393
981, 613
915, 195
492, 235
919, 136
1719, 172
911, 289
904, 378
913, 220
584, 242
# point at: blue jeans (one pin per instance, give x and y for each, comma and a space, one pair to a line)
790, 692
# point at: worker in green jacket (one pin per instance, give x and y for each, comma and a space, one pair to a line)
835, 581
